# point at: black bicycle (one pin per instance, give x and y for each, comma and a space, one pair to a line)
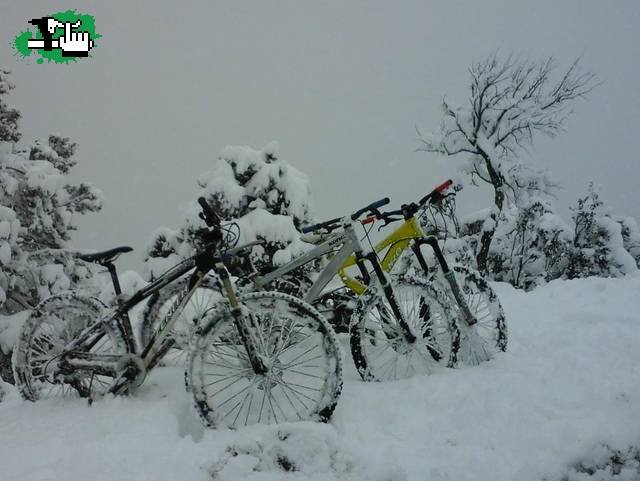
262, 357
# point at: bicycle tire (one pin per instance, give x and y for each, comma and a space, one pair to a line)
481, 341
379, 348
295, 389
53, 324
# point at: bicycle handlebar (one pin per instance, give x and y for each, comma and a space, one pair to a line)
311, 228
372, 206
407, 210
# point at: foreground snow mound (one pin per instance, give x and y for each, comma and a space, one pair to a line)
607, 464
568, 384
303, 451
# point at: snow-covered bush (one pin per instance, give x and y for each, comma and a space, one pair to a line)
532, 245
598, 242
266, 196
630, 236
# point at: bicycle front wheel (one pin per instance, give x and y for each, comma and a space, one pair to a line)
488, 336
38, 359
298, 347
381, 348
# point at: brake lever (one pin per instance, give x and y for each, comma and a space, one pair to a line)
387, 221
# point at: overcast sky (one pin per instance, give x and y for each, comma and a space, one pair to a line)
342, 85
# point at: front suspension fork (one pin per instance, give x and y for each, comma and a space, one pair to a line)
387, 290
241, 322
449, 275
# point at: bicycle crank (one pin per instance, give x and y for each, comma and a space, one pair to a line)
132, 374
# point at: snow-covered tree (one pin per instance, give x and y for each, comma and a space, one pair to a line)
266, 196
511, 101
598, 242
37, 209
9, 117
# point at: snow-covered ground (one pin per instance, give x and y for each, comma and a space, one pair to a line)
569, 383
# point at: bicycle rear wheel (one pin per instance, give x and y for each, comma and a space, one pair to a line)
204, 298
298, 346
379, 345
37, 359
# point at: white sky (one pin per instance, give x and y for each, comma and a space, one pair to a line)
340, 84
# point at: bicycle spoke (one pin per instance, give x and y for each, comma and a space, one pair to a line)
297, 393
292, 405
223, 379
246, 420
269, 397
305, 374
239, 405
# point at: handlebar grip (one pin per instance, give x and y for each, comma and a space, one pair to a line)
444, 186
311, 228
372, 206
437, 192
210, 217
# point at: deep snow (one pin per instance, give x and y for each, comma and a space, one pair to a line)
569, 383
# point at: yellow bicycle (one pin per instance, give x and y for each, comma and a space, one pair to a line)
479, 316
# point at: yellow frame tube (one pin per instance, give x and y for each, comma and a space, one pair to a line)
397, 242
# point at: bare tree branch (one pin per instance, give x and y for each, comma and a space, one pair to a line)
512, 101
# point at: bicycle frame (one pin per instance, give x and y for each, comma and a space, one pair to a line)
350, 247
119, 366
397, 242
409, 234
349, 255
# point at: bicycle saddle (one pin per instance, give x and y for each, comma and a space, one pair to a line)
105, 257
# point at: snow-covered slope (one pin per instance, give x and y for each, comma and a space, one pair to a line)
569, 383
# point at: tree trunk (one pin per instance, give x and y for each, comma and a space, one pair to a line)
6, 371
498, 197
